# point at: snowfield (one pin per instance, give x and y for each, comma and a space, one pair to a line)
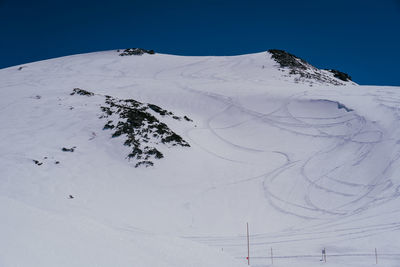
308, 164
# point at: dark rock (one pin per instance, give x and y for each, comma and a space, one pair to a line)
187, 118
304, 71
136, 52
286, 59
109, 125
81, 92
37, 162
140, 127
72, 149
144, 163
341, 75
159, 110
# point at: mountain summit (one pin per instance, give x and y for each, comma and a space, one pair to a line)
306, 72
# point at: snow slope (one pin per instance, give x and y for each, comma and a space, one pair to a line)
307, 164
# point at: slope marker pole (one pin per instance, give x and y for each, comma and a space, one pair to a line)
248, 245
272, 258
376, 256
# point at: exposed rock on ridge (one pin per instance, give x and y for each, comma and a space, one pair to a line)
136, 52
305, 72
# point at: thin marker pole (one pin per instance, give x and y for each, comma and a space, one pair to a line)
272, 258
376, 256
248, 245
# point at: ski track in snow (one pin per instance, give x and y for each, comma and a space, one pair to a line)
360, 198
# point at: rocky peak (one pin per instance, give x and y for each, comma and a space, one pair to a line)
304, 72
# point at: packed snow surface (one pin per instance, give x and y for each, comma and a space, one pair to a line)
307, 165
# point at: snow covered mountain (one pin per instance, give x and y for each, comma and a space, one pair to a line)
133, 158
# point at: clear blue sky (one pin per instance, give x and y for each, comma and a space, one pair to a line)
360, 37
